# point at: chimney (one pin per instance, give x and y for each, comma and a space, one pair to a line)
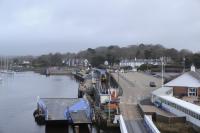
193, 69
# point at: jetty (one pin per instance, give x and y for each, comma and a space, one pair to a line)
68, 111
103, 98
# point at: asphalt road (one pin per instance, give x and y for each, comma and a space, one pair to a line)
135, 87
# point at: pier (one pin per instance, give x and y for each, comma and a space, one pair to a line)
73, 112
135, 87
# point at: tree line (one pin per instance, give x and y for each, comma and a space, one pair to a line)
113, 54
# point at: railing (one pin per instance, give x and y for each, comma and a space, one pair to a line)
150, 125
122, 125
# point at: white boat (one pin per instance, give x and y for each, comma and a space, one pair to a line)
6, 67
7, 72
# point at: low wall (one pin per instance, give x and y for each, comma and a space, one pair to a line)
123, 128
114, 81
161, 118
150, 125
165, 119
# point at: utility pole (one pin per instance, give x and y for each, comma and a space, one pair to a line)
162, 61
183, 64
109, 97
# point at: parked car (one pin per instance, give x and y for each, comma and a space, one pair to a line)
152, 84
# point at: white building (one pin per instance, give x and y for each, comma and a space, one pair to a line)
135, 63
76, 62
169, 97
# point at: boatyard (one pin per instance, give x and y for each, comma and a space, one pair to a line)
134, 87
105, 101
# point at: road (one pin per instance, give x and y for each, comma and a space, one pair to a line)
135, 87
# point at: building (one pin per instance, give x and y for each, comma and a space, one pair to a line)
135, 63
181, 96
186, 85
75, 62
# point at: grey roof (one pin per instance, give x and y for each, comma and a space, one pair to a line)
57, 106
163, 91
195, 74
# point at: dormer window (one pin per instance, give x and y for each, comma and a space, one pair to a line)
192, 91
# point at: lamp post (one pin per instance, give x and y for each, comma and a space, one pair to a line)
162, 61
109, 97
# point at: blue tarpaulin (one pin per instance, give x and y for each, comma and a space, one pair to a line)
82, 105
43, 107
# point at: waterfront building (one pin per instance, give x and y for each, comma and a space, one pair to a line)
135, 63
181, 96
75, 62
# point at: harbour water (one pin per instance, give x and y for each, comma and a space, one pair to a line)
18, 95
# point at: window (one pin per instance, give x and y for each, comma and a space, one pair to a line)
192, 91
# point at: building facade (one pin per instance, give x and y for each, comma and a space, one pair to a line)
171, 96
135, 63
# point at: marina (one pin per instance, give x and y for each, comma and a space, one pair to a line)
101, 100
18, 99
99, 66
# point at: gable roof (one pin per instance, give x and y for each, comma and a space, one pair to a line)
163, 91
195, 74
188, 79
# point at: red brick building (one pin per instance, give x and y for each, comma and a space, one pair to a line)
188, 84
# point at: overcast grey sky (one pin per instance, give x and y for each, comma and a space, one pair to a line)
43, 26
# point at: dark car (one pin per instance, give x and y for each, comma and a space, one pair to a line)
152, 84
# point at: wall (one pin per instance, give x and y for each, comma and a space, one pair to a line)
182, 114
161, 118
180, 91
150, 125
198, 92
122, 125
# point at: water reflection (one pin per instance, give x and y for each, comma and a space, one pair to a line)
18, 95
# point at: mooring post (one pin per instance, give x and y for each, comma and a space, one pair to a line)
76, 129
38, 98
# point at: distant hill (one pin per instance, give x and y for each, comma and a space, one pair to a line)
113, 54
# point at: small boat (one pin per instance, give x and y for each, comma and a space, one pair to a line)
8, 72
5, 67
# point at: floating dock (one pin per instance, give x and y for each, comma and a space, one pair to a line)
71, 111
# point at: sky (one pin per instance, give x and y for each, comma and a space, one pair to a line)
34, 27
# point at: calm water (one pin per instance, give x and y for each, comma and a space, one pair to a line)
18, 95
